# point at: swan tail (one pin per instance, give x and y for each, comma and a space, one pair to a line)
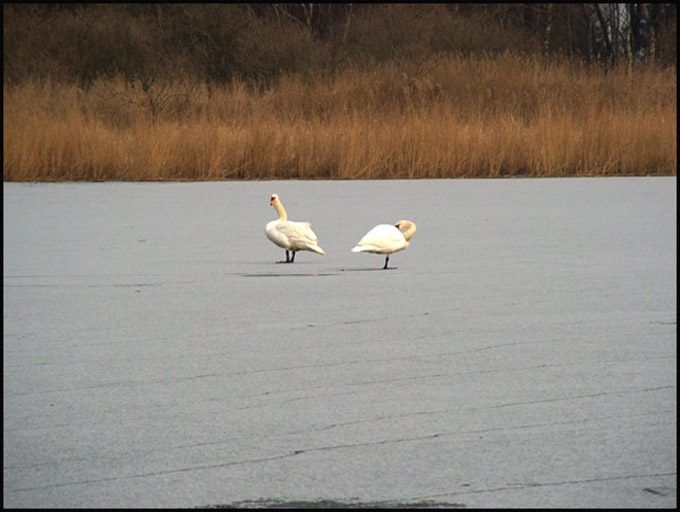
317, 249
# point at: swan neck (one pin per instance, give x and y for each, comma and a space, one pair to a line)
410, 231
281, 211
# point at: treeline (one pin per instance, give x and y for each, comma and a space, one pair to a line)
213, 43
337, 91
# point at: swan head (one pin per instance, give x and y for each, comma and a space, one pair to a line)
274, 199
409, 226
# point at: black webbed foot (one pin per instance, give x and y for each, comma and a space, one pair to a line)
288, 258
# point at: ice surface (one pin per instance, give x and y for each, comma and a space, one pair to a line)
522, 354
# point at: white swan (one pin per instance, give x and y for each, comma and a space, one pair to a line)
386, 239
292, 236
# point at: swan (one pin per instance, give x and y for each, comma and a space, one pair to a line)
387, 239
292, 236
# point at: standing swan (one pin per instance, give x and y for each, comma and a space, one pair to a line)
387, 239
292, 236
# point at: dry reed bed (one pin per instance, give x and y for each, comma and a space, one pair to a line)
449, 117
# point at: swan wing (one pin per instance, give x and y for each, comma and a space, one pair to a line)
299, 236
383, 238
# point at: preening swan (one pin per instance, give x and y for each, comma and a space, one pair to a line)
386, 239
292, 236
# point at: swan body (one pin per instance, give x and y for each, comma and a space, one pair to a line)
292, 236
386, 239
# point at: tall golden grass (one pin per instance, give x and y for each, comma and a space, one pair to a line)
451, 116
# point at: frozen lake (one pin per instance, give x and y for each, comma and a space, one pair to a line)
523, 354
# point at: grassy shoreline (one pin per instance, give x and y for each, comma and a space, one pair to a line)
450, 117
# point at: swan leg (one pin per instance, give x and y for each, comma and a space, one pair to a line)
387, 258
292, 259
